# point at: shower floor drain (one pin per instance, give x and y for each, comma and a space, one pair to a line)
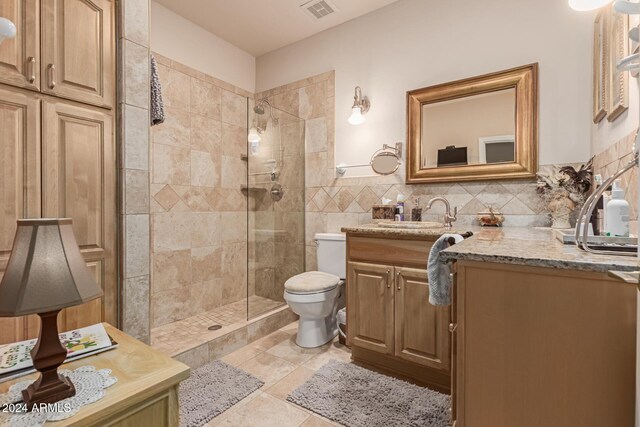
214, 327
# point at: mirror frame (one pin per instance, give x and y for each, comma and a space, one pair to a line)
525, 81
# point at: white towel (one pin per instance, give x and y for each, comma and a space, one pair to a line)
439, 272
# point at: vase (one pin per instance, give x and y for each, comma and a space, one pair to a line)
560, 216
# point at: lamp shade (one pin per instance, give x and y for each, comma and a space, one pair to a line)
46, 271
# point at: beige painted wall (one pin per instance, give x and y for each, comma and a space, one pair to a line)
417, 43
461, 122
177, 38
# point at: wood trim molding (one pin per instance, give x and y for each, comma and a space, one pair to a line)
525, 82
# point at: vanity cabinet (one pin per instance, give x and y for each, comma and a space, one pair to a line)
391, 324
63, 48
541, 346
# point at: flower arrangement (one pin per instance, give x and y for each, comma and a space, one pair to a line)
564, 191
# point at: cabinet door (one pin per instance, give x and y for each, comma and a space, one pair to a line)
370, 315
19, 180
422, 330
20, 56
79, 183
78, 50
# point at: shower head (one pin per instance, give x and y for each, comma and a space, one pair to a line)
259, 108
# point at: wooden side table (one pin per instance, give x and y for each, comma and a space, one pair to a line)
146, 393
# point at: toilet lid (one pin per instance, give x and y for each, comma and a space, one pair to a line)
312, 281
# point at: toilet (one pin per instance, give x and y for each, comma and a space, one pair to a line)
314, 295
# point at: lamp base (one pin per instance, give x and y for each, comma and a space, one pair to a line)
47, 355
43, 392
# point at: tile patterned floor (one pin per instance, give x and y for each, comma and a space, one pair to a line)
191, 332
283, 366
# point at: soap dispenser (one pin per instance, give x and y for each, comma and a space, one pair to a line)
617, 212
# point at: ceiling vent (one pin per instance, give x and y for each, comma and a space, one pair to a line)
319, 8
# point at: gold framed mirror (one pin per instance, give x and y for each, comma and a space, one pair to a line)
480, 128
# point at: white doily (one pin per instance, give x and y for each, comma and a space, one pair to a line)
89, 384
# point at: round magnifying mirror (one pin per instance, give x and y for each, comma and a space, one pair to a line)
385, 163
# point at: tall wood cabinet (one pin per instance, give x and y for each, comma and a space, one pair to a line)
57, 142
391, 324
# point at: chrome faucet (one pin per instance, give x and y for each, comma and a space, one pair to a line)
448, 218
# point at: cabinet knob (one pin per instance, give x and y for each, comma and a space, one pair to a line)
51, 76
31, 69
453, 327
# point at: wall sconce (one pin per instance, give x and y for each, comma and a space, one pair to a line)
360, 107
7, 29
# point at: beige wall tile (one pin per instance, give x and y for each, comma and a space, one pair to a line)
234, 140
175, 130
228, 343
205, 229
136, 245
136, 74
136, 192
234, 227
206, 134
171, 231
136, 137
171, 270
135, 307
176, 88
205, 99
135, 21
195, 357
313, 100
316, 135
166, 197
171, 165
206, 263
234, 172
205, 169
234, 109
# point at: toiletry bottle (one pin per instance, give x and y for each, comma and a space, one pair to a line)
400, 208
597, 217
606, 198
617, 212
416, 212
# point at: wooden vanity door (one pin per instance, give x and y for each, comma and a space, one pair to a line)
78, 50
370, 293
20, 56
422, 330
79, 183
19, 181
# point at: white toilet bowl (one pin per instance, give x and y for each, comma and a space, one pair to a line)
316, 302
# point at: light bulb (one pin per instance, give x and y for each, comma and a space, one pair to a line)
356, 117
585, 5
254, 135
7, 29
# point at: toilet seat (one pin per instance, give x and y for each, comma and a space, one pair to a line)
311, 282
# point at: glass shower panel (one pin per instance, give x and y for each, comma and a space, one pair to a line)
276, 202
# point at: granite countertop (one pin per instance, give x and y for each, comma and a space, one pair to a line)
536, 247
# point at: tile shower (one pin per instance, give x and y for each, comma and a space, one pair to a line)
222, 244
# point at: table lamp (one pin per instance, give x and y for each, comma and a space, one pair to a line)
45, 274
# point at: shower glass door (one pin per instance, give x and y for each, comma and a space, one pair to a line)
276, 202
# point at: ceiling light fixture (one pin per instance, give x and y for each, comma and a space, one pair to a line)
360, 107
7, 29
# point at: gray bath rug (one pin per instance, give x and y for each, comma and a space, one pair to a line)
211, 390
356, 397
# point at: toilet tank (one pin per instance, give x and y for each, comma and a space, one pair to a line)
332, 253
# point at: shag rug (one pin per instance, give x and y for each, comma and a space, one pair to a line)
211, 390
356, 397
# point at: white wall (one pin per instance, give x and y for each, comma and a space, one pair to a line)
416, 43
604, 133
182, 40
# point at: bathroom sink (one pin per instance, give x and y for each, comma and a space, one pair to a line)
410, 224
